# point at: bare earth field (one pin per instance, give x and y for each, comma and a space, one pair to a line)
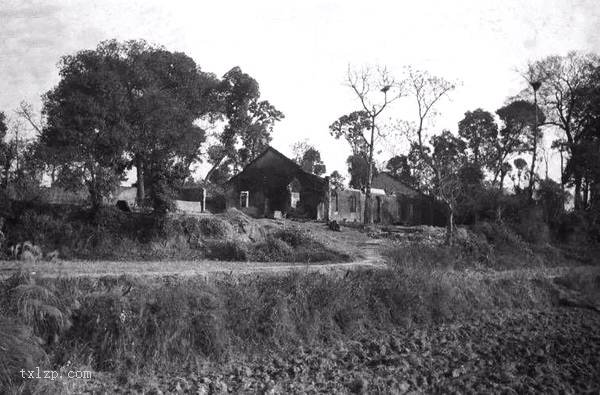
523, 351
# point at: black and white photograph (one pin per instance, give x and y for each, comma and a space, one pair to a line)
299, 197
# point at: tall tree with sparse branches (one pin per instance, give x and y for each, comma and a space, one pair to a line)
375, 90
427, 91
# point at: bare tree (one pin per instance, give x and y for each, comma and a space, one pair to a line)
376, 90
427, 91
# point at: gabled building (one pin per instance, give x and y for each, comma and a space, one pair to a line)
274, 185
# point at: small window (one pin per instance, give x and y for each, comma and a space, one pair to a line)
244, 196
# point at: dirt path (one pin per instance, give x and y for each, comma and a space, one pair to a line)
365, 251
180, 268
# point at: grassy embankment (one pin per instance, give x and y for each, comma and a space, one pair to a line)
112, 235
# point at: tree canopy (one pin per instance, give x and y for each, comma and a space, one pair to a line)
130, 103
249, 125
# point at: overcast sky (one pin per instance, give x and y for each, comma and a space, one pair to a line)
299, 51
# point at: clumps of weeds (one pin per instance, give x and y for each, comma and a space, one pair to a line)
36, 306
32, 320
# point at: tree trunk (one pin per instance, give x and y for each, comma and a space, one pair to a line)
368, 218
502, 176
562, 171
585, 200
450, 227
534, 154
212, 169
577, 194
95, 197
141, 193
6, 175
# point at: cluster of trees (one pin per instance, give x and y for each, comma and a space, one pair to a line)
126, 105
132, 104
562, 93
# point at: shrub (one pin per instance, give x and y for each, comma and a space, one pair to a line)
227, 250
532, 227
36, 306
500, 235
292, 236
271, 250
214, 227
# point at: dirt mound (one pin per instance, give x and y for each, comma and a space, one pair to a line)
246, 228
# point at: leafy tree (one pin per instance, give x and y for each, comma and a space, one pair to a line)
352, 127
312, 163
308, 157
359, 127
518, 133
124, 104
472, 197
84, 123
399, 167
552, 198
358, 168
7, 153
166, 93
520, 165
448, 158
336, 180
299, 148
561, 93
586, 161
249, 126
480, 131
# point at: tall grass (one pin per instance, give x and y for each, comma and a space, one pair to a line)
128, 324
